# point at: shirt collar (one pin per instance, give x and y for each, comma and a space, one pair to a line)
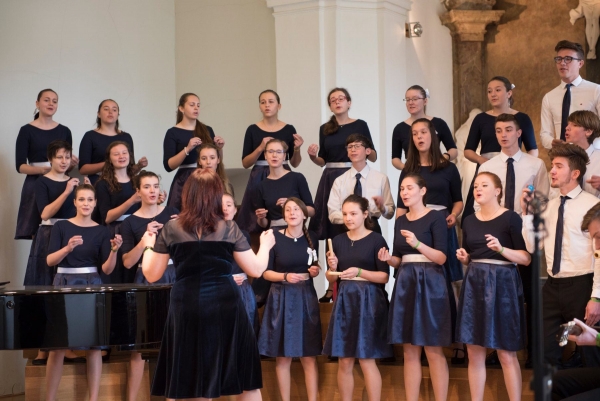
516, 157
590, 150
575, 82
574, 192
364, 172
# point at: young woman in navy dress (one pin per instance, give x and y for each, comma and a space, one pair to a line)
253, 155
416, 104
358, 325
92, 149
490, 311
483, 130
331, 153
420, 307
181, 142
117, 200
31, 159
209, 348
291, 323
208, 157
80, 247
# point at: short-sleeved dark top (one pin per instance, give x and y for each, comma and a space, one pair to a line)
93, 252
483, 130
506, 227
269, 191
362, 254
236, 269
430, 229
332, 148
226, 231
401, 137
288, 256
255, 135
32, 143
107, 200
443, 186
92, 148
134, 227
175, 140
47, 191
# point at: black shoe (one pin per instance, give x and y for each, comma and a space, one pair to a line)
492, 359
325, 299
574, 361
77, 359
106, 358
456, 360
39, 362
333, 358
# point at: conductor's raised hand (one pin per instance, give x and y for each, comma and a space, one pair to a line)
267, 239
463, 256
332, 260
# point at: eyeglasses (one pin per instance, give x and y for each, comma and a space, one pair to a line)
413, 99
355, 146
275, 152
567, 59
337, 99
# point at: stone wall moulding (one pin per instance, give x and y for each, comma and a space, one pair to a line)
283, 6
469, 4
469, 25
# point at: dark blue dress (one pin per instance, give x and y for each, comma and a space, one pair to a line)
291, 323
246, 217
420, 308
32, 145
358, 324
402, 135
332, 149
247, 293
490, 308
208, 348
92, 149
132, 230
175, 140
46, 191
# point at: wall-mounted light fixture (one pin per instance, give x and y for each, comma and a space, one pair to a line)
414, 29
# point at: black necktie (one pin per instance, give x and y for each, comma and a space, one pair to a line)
565, 112
559, 236
358, 186
509, 197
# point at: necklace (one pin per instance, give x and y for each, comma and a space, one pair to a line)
295, 238
491, 216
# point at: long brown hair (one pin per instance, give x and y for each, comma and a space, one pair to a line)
99, 122
201, 202
200, 130
302, 207
227, 187
413, 160
108, 171
332, 126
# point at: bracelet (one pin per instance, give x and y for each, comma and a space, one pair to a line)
285, 276
598, 340
186, 151
359, 271
594, 299
148, 248
114, 249
454, 214
502, 250
416, 246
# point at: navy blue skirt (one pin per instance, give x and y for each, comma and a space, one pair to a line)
291, 324
247, 294
28, 218
358, 324
168, 276
420, 308
38, 272
64, 279
320, 223
453, 267
490, 308
179, 180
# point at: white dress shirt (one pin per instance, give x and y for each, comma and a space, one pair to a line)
585, 95
373, 183
529, 170
577, 255
592, 169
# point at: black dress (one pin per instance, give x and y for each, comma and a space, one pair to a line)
490, 308
402, 135
332, 149
247, 293
92, 149
46, 191
107, 200
175, 140
133, 229
291, 323
420, 307
32, 145
358, 324
246, 218
208, 348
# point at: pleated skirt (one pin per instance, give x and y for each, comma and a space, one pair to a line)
28, 217
38, 272
320, 223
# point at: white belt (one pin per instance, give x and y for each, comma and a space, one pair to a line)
40, 164
170, 262
242, 275
123, 217
265, 163
305, 276
50, 222
415, 258
338, 165
278, 223
355, 279
77, 270
191, 165
493, 261
489, 155
436, 207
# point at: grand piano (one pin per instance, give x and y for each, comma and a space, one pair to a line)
122, 315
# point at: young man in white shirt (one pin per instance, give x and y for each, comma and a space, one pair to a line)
363, 181
573, 93
582, 128
573, 285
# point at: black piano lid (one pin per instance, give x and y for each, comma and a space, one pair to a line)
41, 289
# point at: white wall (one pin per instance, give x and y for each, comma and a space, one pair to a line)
86, 51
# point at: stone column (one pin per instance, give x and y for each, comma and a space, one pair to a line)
468, 27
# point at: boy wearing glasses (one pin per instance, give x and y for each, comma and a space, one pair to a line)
363, 181
573, 93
